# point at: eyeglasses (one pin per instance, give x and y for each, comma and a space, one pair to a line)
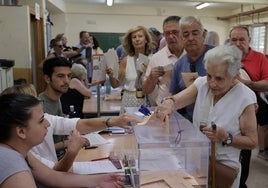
238, 39
60, 46
193, 32
173, 32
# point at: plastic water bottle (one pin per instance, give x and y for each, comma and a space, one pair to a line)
72, 112
107, 86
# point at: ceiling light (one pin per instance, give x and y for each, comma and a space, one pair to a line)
201, 5
109, 2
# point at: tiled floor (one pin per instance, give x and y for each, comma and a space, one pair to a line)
258, 175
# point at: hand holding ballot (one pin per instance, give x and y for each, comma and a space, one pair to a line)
111, 59
102, 63
141, 63
156, 72
189, 77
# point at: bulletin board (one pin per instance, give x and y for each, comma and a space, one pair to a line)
108, 40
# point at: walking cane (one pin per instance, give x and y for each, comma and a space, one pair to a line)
213, 159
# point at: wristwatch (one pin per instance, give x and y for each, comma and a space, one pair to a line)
229, 140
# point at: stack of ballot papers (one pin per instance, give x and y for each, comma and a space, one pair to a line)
116, 130
95, 167
95, 139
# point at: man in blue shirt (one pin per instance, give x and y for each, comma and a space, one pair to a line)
193, 36
86, 39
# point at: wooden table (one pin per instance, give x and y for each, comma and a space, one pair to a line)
107, 107
118, 144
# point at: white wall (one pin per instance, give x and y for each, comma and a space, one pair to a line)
118, 19
15, 35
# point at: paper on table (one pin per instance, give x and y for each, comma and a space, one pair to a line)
95, 139
95, 167
111, 60
117, 130
112, 97
189, 77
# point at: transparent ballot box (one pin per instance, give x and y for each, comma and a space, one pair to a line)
171, 155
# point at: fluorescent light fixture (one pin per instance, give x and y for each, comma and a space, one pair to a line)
200, 6
109, 2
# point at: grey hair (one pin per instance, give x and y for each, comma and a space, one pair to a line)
231, 55
79, 71
172, 19
188, 20
212, 38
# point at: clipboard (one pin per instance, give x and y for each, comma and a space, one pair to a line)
189, 77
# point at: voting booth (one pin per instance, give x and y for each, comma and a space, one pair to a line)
171, 155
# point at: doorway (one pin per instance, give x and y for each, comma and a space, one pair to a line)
38, 51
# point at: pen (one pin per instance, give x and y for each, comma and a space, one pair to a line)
99, 159
91, 147
105, 131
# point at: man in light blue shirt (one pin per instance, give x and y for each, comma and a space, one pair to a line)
193, 36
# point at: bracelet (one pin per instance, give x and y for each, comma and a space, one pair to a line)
107, 122
171, 98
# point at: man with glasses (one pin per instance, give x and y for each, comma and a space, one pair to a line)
58, 51
193, 35
157, 79
256, 65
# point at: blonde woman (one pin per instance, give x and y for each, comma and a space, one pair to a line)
135, 42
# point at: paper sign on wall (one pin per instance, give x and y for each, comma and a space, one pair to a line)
37, 11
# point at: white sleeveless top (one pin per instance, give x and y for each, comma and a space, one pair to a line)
225, 113
130, 74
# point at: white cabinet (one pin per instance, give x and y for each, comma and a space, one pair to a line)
6, 75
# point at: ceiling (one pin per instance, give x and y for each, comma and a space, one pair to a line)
220, 4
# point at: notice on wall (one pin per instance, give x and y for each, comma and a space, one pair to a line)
37, 11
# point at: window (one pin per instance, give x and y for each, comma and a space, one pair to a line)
258, 38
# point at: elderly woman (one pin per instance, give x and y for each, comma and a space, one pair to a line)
136, 41
77, 92
23, 126
220, 98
